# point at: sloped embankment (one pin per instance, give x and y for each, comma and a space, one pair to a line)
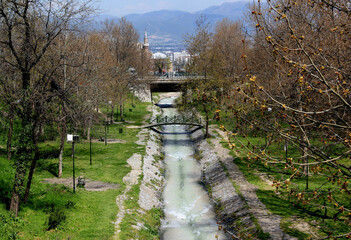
152, 182
231, 208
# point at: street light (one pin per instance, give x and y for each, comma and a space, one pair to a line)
73, 139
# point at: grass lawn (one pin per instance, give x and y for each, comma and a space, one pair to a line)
320, 221
85, 214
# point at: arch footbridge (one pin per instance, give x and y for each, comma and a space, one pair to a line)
193, 123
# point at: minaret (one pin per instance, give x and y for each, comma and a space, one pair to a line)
146, 42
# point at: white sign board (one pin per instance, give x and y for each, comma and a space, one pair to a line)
69, 138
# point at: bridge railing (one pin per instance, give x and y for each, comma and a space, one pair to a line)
176, 119
173, 78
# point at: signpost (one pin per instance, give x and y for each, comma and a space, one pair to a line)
73, 139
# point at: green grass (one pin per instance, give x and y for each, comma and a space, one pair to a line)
285, 207
86, 215
282, 204
150, 220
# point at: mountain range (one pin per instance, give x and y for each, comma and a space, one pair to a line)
166, 28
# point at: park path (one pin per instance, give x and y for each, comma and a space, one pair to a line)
269, 222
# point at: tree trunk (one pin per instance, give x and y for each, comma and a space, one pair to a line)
305, 143
207, 119
112, 112
62, 145
18, 185
25, 148
117, 113
10, 133
121, 112
304, 152
31, 172
24, 156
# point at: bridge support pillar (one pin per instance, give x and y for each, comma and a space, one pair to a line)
143, 93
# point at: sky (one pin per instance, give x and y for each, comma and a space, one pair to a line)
122, 8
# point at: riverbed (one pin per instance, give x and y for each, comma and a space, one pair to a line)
188, 210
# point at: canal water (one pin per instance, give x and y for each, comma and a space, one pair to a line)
188, 211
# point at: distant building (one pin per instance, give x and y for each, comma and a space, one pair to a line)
163, 62
159, 55
146, 43
146, 55
180, 60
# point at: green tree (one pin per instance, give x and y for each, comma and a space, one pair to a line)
28, 30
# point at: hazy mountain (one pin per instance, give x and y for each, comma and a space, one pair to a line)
166, 28
233, 10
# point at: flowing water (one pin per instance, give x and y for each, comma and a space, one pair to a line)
188, 212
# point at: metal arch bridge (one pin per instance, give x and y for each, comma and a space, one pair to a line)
175, 120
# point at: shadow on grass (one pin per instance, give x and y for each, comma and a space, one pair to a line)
44, 165
286, 209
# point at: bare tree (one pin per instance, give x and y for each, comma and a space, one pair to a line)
125, 57
216, 58
296, 91
199, 48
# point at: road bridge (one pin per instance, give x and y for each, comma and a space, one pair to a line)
168, 83
171, 83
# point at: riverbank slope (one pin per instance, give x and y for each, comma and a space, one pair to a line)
237, 206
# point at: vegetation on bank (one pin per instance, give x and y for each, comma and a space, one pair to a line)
139, 223
299, 219
279, 87
53, 210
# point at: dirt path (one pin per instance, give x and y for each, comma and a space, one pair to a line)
90, 185
269, 222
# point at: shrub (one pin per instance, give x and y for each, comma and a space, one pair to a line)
56, 217
8, 226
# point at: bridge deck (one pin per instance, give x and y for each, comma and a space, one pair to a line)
172, 123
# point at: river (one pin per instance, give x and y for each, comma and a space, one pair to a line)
188, 210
